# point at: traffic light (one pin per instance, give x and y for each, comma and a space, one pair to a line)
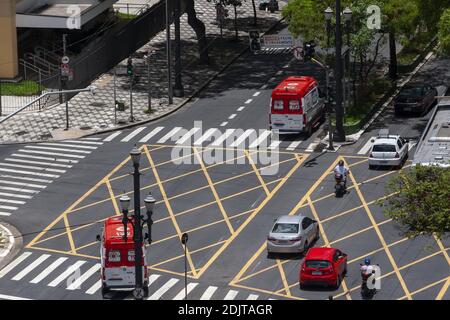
308, 50
130, 67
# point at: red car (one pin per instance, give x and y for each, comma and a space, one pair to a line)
324, 266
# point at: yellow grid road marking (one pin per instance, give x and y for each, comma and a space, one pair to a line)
380, 236
214, 191
443, 290
169, 207
258, 174
283, 278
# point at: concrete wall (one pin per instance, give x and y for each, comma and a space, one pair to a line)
8, 39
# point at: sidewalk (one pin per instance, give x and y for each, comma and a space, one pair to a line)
89, 114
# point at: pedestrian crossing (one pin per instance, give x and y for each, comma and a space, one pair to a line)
31, 168
212, 137
272, 51
78, 275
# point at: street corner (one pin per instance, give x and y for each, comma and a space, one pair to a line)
211, 202
10, 243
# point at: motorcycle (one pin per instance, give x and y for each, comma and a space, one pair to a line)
340, 188
367, 293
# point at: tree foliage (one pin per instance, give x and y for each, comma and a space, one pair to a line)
444, 32
421, 202
430, 11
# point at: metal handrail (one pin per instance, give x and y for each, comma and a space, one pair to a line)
91, 89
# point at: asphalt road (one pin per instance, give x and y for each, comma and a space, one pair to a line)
226, 201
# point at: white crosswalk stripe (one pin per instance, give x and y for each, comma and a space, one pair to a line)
162, 290
187, 136
231, 295
133, 134
23, 190
95, 287
5, 214
69, 271
294, 145
86, 142
66, 145
205, 136
31, 267
30, 173
11, 201
7, 208
275, 144
7, 176
181, 295
112, 136
241, 139
29, 185
14, 263
20, 196
52, 153
48, 270
366, 147
44, 158
58, 149
151, 134
30, 167
262, 137
208, 293
39, 162
169, 135
79, 281
252, 297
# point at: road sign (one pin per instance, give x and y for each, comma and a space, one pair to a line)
278, 41
65, 60
298, 53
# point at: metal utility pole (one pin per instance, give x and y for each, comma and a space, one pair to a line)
178, 90
130, 73
168, 51
149, 86
184, 240
328, 109
64, 83
115, 97
340, 134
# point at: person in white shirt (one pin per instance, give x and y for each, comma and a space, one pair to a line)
343, 170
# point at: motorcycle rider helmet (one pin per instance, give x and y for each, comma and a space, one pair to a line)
367, 261
341, 163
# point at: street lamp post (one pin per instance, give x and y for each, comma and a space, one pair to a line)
328, 15
348, 18
125, 204
184, 240
178, 90
168, 52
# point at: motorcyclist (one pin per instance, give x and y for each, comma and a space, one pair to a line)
366, 269
343, 170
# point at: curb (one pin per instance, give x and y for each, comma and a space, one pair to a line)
355, 137
178, 107
16, 243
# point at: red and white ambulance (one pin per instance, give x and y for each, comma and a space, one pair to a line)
117, 257
295, 106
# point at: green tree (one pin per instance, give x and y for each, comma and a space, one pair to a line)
421, 203
444, 32
430, 11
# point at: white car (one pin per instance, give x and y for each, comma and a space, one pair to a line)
388, 150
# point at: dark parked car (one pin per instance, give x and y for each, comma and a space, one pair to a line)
271, 5
416, 98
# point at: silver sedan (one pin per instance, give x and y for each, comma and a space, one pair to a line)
292, 234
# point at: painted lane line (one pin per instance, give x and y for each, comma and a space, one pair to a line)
111, 137
205, 136
256, 94
240, 109
158, 293
8, 297
367, 146
94, 288
85, 142
52, 154
58, 149
208, 293
187, 136
30, 267
77, 283
242, 138
149, 135
39, 162
231, 295
232, 116
133, 134
12, 195
263, 136
181, 294
48, 270
44, 158
264, 87
152, 278
69, 271
8, 208
30, 173
248, 101
66, 145
223, 124
294, 145
26, 178
411, 145
31, 167
312, 146
169, 135
222, 138
275, 144
253, 297
5, 214
11, 201
18, 189
14, 263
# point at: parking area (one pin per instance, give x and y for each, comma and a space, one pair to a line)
410, 268
212, 201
